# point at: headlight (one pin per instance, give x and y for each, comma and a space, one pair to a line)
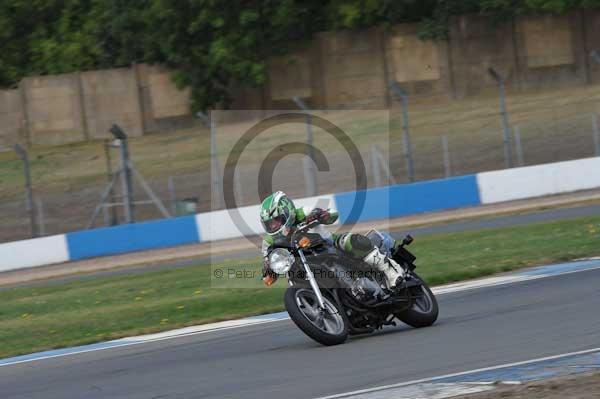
281, 260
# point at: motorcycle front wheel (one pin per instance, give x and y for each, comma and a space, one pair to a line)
424, 310
327, 327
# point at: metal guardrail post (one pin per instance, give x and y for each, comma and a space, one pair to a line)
596, 133
310, 173
22, 154
239, 193
215, 169
401, 94
519, 146
446, 151
595, 55
113, 220
375, 169
595, 125
128, 208
172, 195
380, 168
508, 158
40, 217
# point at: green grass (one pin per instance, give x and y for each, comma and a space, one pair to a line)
53, 316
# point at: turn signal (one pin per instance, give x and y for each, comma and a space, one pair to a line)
304, 242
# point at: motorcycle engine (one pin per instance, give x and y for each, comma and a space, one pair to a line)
364, 289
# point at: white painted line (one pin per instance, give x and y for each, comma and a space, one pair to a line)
474, 284
354, 394
123, 342
427, 391
204, 328
502, 280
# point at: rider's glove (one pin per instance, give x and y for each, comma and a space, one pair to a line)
318, 214
269, 276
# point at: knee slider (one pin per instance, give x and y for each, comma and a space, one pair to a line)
361, 243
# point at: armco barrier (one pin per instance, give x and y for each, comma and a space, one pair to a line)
34, 252
380, 203
222, 224
409, 199
539, 180
132, 237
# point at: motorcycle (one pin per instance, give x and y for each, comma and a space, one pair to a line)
332, 295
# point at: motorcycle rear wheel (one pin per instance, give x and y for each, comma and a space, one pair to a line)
327, 328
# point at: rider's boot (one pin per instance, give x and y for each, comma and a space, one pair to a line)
360, 246
393, 272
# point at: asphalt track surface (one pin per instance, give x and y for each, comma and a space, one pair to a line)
477, 328
522, 219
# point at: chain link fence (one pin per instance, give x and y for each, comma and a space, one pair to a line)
447, 137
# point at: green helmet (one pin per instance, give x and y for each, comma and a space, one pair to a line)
277, 214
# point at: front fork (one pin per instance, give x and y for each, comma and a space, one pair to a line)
312, 280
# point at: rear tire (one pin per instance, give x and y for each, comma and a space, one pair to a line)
424, 312
302, 306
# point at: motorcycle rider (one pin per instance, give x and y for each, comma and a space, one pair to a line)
280, 217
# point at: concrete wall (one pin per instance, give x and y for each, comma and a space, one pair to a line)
58, 109
151, 80
353, 69
347, 69
159, 98
11, 117
421, 67
290, 76
550, 51
53, 109
99, 91
547, 41
476, 45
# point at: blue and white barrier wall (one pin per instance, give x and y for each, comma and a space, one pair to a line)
379, 203
539, 180
34, 252
132, 237
224, 224
409, 199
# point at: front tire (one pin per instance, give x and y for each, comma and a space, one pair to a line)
327, 328
424, 311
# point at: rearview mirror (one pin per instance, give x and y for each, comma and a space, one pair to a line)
407, 240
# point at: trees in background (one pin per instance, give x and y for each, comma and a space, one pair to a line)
56, 36
210, 44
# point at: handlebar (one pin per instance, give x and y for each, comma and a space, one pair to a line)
306, 226
301, 228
